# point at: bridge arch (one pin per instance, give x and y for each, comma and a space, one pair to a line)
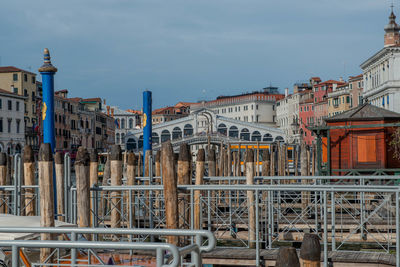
279, 139
245, 134
187, 130
176, 133
233, 132
131, 144
268, 137
155, 138
222, 129
256, 136
165, 136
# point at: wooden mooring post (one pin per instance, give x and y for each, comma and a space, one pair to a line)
3, 180
170, 190
131, 181
183, 173
287, 257
197, 224
59, 165
29, 180
211, 162
46, 195
94, 179
250, 198
116, 180
310, 251
82, 163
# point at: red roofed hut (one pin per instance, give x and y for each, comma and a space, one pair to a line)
357, 142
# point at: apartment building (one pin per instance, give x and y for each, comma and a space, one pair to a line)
23, 83
12, 135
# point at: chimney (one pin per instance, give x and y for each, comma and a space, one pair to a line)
341, 79
286, 92
108, 110
112, 112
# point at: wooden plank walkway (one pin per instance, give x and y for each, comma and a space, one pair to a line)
246, 257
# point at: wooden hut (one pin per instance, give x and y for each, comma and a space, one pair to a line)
357, 141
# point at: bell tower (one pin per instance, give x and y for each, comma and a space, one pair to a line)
392, 36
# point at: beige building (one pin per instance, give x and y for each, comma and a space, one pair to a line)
356, 85
339, 100
23, 83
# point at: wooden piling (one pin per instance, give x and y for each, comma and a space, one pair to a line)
46, 195
116, 180
183, 173
158, 174
82, 167
131, 180
59, 166
272, 161
287, 257
106, 175
140, 165
3, 179
266, 163
310, 251
94, 177
211, 162
197, 194
296, 160
170, 190
29, 180
229, 160
304, 171
158, 164
250, 197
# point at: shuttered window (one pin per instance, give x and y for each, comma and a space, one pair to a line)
366, 148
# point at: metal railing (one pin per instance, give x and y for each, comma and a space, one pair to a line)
195, 248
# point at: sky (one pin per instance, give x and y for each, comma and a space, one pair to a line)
190, 50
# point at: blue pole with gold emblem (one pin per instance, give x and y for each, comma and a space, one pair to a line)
147, 121
47, 70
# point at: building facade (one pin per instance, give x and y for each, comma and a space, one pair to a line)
256, 107
356, 85
381, 72
340, 100
12, 135
23, 83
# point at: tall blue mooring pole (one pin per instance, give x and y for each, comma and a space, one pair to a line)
47, 70
147, 121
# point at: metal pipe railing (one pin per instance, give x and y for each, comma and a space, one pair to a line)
158, 247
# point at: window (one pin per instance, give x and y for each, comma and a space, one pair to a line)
18, 123
25, 78
25, 92
33, 96
1, 104
33, 79
1, 125
15, 91
33, 109
15, 77
9, 125
366, 149
256, 107
17, 106
9, 105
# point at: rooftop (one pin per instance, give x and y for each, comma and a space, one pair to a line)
7, 69
364, 112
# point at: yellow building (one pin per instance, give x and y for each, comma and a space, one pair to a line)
339, 100
23, 83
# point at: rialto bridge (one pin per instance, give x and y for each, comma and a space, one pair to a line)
202, 127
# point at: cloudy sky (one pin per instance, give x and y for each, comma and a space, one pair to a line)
188, 50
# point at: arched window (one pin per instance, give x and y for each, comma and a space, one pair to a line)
256, 136
176, 133
122, 138
188, 130
140, 142
245, 134
117, 138
122, 123
130, 123
155, 138
279, 139
131, 144
222, 129
268, 137
233, 132
165, 136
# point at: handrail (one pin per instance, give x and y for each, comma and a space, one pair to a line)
159, 247
119, 231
